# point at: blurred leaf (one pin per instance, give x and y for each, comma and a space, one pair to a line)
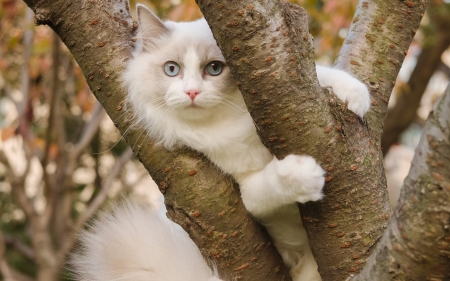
6, 133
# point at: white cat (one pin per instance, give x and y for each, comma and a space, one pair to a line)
180, 86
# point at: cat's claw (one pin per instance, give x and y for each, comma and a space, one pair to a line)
355, 95
302, 177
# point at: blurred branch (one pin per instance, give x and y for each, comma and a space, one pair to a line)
4, 266
52, 100
25, 77
59, 207
101, 196
404, 112
96, 203
9, 274
26, 250
444, 68
50, 185
89, 131
62, 221
128, 187
18, 183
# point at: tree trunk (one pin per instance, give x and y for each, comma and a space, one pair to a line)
404, 112
269, 51
416, 243
99, 34
46, 259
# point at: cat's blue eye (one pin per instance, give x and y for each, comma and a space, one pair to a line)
171, 68
214, 68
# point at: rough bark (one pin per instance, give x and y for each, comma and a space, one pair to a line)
416, 243
404, 112
99, 34
269, 51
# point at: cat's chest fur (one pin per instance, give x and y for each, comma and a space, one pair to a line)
231, 143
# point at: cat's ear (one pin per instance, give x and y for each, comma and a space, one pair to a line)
150, 26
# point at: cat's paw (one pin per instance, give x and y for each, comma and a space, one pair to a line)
349, 89
301, 177
355, 95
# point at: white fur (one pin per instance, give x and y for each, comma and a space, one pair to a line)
136, 242
347, 88
217, 124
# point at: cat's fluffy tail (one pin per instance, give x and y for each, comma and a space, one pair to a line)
136, 242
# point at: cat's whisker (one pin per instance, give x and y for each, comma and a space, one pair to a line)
256, 126
158, 106
123, 135
142, 147
120, 116
242, 110
125, 111
156, 99
137, 140
233, 106
167, 111
240, 98
218, 112
230, 105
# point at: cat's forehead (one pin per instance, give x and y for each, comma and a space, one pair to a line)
191, 38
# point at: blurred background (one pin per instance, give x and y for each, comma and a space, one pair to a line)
61, 157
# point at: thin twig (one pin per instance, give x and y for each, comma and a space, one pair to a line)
62, 220
89, 130
25, 77
26, 250
9, 274
50, 189
101, 196
18, 185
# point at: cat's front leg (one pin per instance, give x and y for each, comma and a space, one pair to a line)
348, 89
282, 182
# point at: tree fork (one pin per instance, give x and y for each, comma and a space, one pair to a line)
100, 35
270, 53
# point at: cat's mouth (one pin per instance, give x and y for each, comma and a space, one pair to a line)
194, 105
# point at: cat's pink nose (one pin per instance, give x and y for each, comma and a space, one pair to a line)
192, 93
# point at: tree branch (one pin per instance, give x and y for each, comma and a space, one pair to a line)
51, 187
101, 196
9, 273
70, 239
444, 68
18, 184
415, 245
400, 116
20, 246
24, 76
62, 219
89, 131
98, 34
269, 52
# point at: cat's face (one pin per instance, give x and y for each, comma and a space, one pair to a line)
180, 69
